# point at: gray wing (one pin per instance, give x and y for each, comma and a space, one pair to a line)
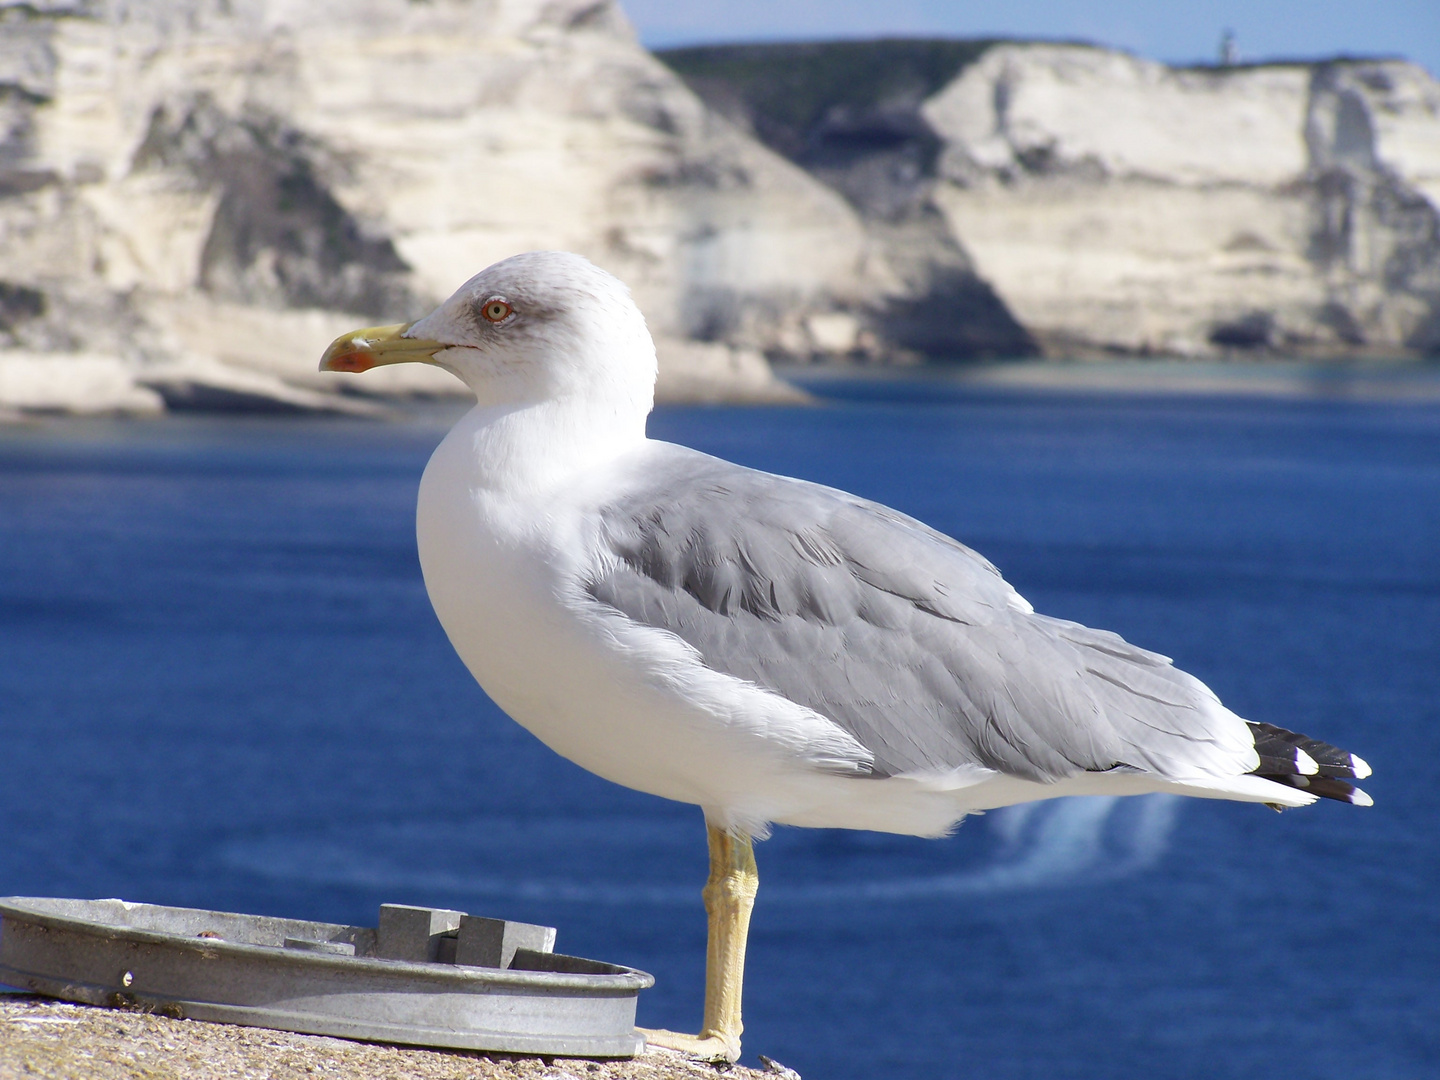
905, 638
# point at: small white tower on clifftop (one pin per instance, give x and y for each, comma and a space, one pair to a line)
1229, 49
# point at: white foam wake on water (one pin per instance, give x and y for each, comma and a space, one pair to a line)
1042, 845
1045, 844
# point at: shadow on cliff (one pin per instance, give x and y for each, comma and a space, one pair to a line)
278, 238
958, 317
848, 113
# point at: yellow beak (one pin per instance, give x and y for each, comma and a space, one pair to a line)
361, 350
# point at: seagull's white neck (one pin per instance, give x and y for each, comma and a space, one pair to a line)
561, 395
520, 450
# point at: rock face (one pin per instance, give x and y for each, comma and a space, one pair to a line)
205, 190
849, 113
1115, 205
196, 195
1122, 205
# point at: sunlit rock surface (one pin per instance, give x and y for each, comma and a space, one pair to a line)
1121, 205
1103, 204
54, 1040
196, 195
848, 112
200, 188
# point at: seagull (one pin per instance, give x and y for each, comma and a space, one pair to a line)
768, 649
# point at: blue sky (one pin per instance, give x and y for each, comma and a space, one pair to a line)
1171, 30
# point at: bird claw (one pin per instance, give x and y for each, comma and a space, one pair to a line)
708, 1046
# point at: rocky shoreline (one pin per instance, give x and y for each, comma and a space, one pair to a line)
1394, 382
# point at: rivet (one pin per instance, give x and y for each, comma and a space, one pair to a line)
127, 978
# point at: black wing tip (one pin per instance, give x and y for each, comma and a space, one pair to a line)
1327, 788
1309, 764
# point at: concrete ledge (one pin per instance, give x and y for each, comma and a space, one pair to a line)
53, 1040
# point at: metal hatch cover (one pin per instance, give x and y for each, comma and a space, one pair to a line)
421, 976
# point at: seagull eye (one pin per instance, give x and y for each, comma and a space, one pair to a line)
496, 310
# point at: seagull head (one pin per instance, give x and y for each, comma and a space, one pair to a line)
543, 326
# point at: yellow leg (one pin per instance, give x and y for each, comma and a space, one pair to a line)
729, 899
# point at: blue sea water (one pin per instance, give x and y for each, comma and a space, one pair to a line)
221, 685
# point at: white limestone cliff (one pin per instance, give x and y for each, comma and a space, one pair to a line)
206, 190
197, 195
1119, 205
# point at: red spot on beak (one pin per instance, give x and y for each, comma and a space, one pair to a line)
351, 360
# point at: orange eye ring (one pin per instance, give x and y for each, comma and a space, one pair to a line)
496, 310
